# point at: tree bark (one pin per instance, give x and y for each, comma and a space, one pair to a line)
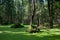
51, 12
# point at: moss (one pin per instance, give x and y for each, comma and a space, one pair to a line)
17, 26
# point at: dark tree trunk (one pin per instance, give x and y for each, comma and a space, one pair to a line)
32, 27
38, 22
22, 13
51, 12
34, 11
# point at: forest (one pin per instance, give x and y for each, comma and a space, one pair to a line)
29, 19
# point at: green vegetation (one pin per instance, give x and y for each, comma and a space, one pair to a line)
7, 33
29, 20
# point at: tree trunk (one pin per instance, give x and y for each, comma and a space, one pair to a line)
51, 12
38, 22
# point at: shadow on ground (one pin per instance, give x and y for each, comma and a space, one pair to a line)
8, 36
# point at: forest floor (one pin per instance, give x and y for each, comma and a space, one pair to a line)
7, 33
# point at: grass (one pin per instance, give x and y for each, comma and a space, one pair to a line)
7, 33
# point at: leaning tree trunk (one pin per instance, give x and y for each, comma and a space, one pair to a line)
32, 27
34, 11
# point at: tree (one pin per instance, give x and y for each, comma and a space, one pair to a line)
19, 16
32, 13
51, 12
9, 8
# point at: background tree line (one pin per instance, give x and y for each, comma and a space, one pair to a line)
33, 12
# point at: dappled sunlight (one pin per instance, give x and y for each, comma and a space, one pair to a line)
55, 29
7, 33
1, 32
12, 32
29, 20
40, 34
31, 34
6, 25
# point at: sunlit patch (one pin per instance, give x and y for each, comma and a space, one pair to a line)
55, 30
14, 32
55, 33
31, 34
21, 33
1, 32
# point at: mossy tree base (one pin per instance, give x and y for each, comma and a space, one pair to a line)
33, 30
